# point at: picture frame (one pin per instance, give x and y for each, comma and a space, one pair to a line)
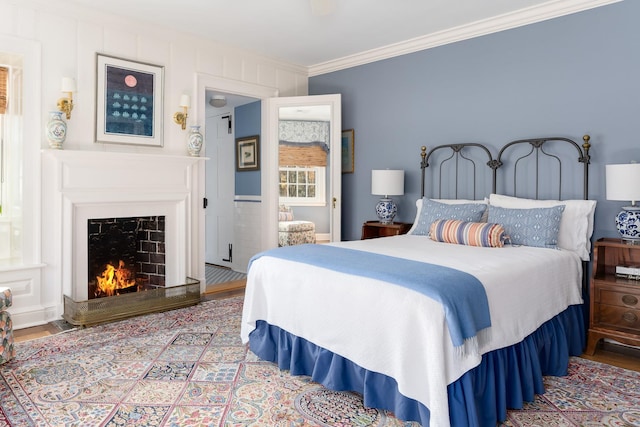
129, 102
347, 151
248, 153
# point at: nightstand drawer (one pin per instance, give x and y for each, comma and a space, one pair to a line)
620, 298
619, 317
373, 229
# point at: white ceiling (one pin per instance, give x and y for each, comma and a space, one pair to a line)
293, 31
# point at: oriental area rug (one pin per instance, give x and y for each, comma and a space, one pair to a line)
187, 367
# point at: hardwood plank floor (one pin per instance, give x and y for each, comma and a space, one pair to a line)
609, 353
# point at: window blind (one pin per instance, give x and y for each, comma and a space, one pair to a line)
4, 78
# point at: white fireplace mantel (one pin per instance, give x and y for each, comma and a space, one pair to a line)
80, 185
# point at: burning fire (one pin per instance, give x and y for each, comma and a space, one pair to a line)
113, 279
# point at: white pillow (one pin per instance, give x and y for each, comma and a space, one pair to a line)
449, 202
576, 225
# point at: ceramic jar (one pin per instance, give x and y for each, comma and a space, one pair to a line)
628, 223
194, 141
56, 130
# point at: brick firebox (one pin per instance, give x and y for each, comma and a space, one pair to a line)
137, 242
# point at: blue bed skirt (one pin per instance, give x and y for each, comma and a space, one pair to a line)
506, 378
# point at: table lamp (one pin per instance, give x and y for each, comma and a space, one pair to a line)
623, 183
387, 182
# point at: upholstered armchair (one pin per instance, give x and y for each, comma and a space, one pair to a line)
292, 232
7, 352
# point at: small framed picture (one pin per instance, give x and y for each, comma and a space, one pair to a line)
347, 151
129, 100
248, 153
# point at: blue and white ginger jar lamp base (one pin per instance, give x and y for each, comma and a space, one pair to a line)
386, 210
628, 224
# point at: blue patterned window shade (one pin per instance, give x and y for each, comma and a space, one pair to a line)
299, 131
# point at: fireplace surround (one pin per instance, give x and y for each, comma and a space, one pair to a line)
86, 185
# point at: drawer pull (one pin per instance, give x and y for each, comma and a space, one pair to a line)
630, 317
629, 300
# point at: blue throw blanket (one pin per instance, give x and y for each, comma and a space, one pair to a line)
463, 297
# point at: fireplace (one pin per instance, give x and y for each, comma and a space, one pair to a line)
91, 190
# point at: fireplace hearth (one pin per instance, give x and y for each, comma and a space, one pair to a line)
117, 307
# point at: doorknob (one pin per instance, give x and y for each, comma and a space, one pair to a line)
334, 202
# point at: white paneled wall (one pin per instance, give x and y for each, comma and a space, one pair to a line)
247, 230
68, 39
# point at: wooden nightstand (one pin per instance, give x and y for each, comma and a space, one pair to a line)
615, 301
373, 229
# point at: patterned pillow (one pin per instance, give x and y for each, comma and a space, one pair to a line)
468, 233
432, 210
285, 213
537, 227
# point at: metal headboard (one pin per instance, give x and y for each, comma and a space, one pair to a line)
536, 151
457, 155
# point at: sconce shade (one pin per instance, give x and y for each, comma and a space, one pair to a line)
185, 101
623, 183
218, 101
68, 85
387, 182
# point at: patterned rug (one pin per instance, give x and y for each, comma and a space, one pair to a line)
188, 367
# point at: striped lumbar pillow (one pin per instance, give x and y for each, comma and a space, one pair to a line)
468, 233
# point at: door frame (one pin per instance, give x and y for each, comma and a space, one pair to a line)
203, 83
270, 165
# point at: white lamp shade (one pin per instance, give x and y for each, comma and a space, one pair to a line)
387, 182
68, 85
185, 101
623, 182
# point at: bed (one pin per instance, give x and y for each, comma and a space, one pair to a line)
449, 324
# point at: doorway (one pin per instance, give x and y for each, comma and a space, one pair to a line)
260, 226
220, 176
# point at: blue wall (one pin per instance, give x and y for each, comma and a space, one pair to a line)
563, 77
248, 123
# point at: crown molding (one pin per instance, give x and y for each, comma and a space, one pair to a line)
530, 15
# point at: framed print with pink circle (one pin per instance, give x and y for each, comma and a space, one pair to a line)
129, 100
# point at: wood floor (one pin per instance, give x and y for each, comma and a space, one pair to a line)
612, 354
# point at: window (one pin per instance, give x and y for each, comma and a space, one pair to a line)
302, 185
10, 159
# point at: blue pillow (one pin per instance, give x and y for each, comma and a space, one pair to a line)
537, 227
432, 211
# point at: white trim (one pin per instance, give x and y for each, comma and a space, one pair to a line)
530, 15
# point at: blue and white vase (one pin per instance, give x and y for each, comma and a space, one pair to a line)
56, 130
386, 210
628, 223
194, 141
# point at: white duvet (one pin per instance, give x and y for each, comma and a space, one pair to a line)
401, 333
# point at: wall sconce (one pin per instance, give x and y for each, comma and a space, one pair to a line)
180, 117
65, 104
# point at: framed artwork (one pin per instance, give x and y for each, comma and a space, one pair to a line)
129, 100
347, 151
248, 153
